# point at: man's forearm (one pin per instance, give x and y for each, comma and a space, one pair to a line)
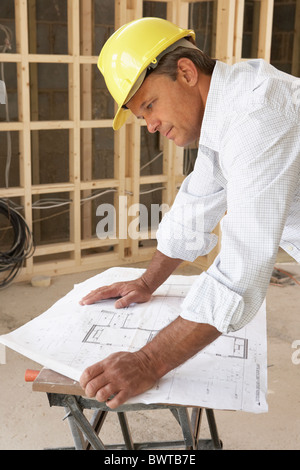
177, 343
181, 339
159, 269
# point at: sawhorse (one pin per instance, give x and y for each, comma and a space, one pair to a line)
66, 393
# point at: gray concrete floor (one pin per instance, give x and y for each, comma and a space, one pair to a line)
28, 423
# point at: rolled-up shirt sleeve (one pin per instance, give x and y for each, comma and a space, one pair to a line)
262, 176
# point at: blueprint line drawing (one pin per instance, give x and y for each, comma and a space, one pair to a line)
230, 373
108, 320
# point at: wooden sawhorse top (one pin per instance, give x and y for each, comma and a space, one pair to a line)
67, 393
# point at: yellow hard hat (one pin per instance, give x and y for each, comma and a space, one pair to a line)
125, 56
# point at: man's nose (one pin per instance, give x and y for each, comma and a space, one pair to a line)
152, 125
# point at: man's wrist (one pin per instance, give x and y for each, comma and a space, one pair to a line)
147, 284
175, 344
149, 364
159, 270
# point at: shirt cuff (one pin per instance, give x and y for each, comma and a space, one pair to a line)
209, 301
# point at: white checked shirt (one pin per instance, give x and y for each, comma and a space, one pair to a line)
248, 164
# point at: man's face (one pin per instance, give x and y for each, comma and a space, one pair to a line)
173, 108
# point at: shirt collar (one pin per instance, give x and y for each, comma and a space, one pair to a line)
214, 109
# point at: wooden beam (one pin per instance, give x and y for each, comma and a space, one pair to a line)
265, 29
225, 30
238, 30
24, 111
74, 112
86, 18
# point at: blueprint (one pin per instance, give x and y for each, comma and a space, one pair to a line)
230, 373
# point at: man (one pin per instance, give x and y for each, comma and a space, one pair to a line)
247, 117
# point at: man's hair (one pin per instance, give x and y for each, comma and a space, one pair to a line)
168, 63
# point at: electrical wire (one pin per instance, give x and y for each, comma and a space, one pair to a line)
152, 190
50, 203
22, 248
95, 196
151, 161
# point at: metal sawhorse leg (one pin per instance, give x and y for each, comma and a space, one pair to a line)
86, 433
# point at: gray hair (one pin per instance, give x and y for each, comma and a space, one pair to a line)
168, 63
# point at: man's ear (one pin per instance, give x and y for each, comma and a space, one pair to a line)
187, 71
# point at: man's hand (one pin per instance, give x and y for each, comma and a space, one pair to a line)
129, 292
126, 375
139, 290
119, 377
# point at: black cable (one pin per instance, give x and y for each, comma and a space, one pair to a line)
22, 246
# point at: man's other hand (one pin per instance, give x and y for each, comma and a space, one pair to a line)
128, 292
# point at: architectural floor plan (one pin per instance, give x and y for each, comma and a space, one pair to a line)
230, 373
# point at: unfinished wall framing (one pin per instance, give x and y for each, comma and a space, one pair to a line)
70, 242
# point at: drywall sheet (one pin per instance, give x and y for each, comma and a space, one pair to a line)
230, 373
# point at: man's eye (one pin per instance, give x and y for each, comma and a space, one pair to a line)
149, 106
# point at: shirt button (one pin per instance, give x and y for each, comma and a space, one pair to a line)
290, 248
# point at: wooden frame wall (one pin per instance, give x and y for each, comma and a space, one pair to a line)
127, 180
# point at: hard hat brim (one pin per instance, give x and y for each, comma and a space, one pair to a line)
122, 115
120, 118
